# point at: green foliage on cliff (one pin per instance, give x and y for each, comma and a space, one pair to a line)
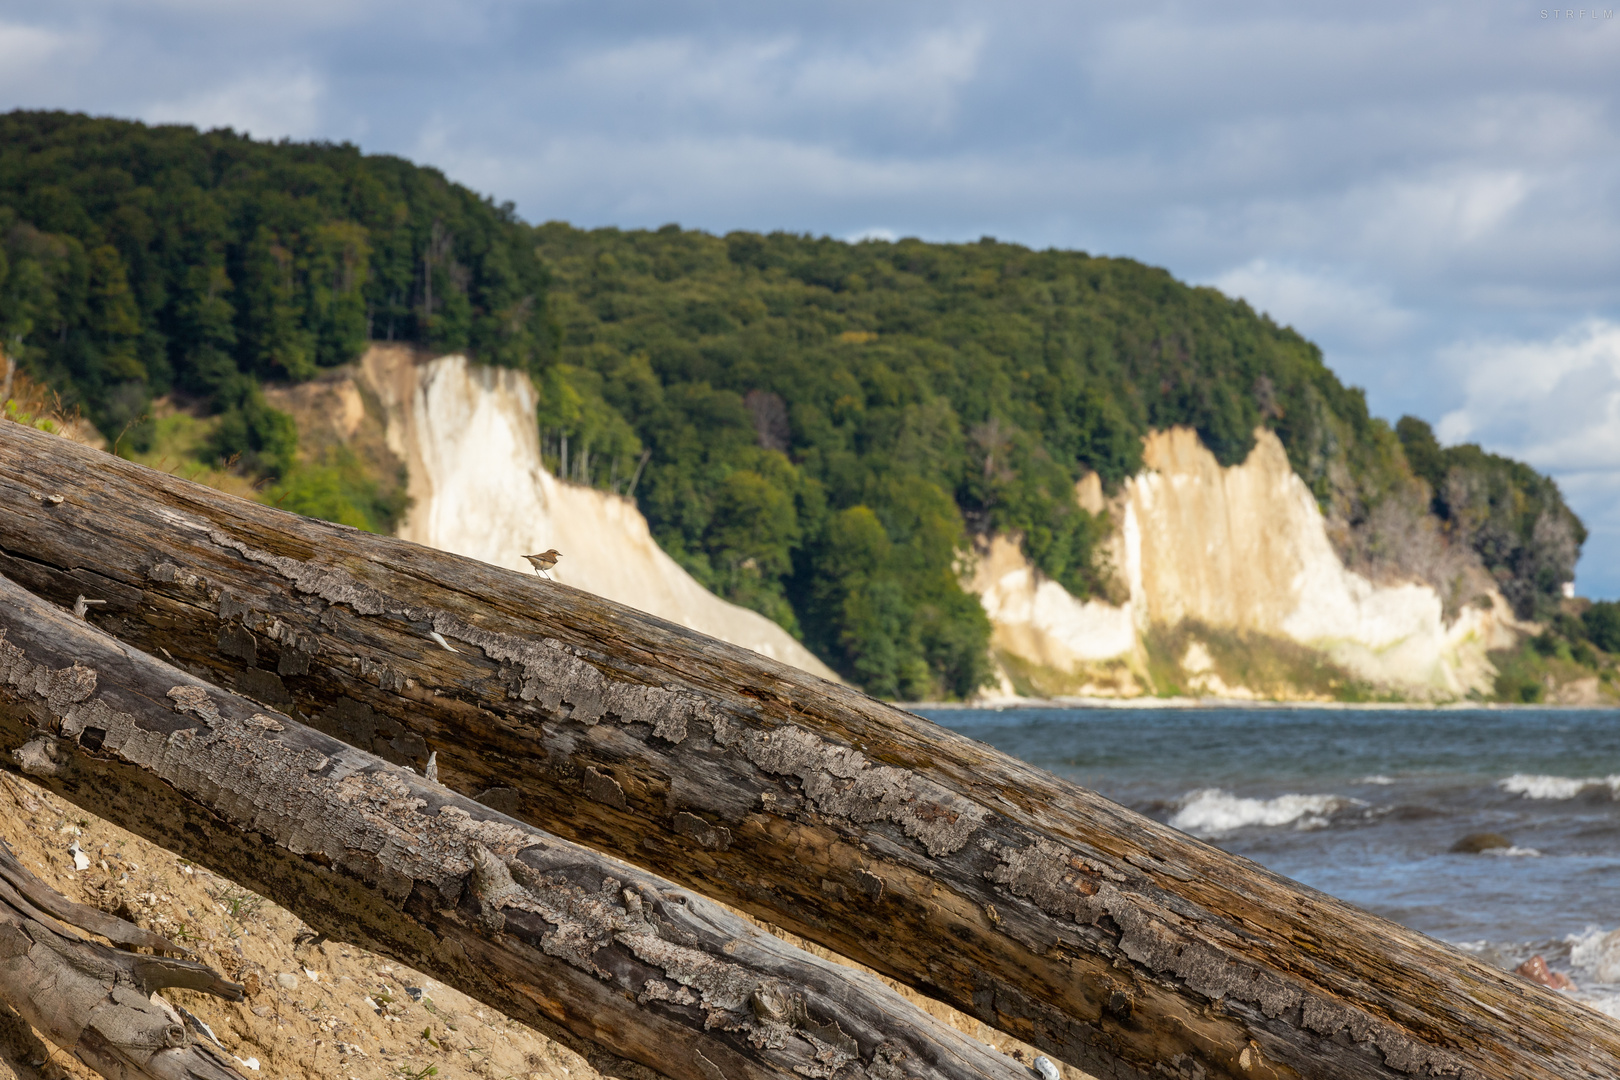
135, 260
1576, 657
909, 394
339, 487
1600, 623
969, 386
1511, 515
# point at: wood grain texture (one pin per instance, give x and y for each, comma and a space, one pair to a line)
369, 852
1107, 939
95, 1001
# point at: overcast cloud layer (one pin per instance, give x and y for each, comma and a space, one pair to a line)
1428, 192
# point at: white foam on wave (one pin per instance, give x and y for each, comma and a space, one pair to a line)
1594, 957
1533, 786
1595, 953
1210, 811
1513, 851
1377, 778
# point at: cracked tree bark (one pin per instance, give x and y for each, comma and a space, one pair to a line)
95, 1001
1108, 940
365, 851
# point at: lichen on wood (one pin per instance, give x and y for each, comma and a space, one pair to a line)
369, 851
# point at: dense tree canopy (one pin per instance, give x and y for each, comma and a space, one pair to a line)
135, 260
872, 404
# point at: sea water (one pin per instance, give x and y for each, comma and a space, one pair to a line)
1366, 804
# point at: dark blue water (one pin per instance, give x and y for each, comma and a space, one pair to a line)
1366, 805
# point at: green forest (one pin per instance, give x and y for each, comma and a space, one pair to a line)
829, 423
136, 261
816, 429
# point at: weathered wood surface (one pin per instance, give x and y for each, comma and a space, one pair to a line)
1106, 939
95, 1001
369, 852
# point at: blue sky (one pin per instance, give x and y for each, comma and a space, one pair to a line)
1430, 192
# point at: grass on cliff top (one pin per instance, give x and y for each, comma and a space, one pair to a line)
179, 445
1104, 677
1542, 671
329, 482
1270, 667
25, 401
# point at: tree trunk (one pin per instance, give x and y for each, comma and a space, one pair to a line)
92, 1000
1105, 938
365, 851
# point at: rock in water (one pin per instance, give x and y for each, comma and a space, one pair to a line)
1474, 843
1535, 969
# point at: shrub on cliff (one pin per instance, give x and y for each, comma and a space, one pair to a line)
1510, 515
1601, 622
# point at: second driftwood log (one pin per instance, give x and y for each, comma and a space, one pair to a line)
577, 943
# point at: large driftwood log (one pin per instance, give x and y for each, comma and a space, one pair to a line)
1105, 938
95, 1001
369, 852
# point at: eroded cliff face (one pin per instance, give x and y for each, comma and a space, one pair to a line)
1234, 588
1240, 551
468, 438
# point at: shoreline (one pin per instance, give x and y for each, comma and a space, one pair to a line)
1077, 703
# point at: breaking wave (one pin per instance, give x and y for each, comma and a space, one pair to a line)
1594, 956
1556, 787
1211, 811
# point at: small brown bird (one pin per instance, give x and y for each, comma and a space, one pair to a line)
544, 561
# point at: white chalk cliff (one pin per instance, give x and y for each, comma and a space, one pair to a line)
468, 438
1244, 548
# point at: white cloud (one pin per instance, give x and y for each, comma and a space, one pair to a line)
920, 78
1409, 223
730, 180
301, 14
1317, 303
1448, 211
1556, 404
270, 105
1596, 497
25, 51
765, 82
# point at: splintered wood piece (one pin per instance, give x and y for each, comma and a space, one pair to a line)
92, 920
92, 1000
